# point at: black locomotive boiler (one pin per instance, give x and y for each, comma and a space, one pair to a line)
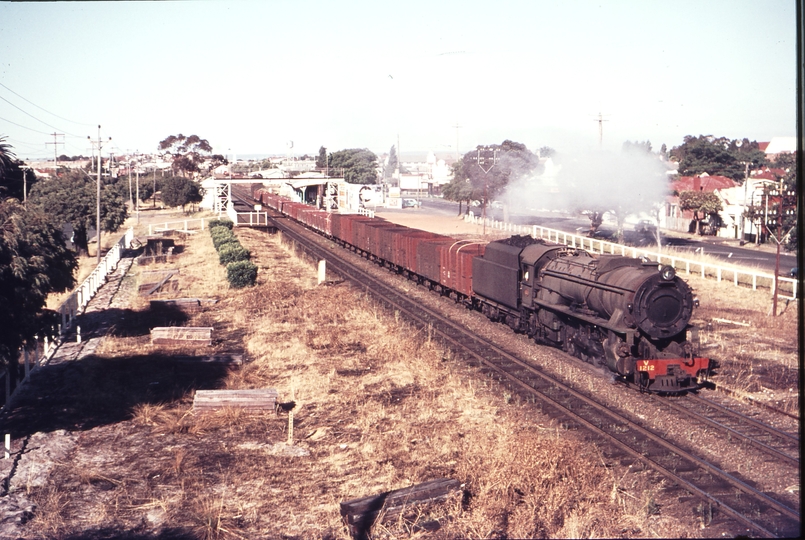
627, 314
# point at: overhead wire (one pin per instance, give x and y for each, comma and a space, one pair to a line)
37, 119
43, 109
24, 127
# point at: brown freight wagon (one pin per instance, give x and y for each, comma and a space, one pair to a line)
405, 248
456, 264
343, 226
428, 264
388, 242
368, 234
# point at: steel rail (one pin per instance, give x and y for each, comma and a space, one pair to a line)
732, 431
765, 427
363, 277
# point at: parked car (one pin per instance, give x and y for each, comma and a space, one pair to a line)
410, 203
794, 272
645, 226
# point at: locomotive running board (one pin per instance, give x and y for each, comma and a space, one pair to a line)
597, 321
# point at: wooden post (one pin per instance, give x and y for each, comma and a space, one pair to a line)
290, 420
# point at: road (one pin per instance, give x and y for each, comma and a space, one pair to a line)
762, 258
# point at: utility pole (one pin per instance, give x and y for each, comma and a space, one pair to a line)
55, 144
128, 159
137, 173
98, 193
600, 121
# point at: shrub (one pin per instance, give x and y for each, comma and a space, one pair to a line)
222, 235
219, 223
219, 230
241, 274
233, 252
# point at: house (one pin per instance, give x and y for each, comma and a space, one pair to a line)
780, 145
675, 218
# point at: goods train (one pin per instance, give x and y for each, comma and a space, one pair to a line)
629, 315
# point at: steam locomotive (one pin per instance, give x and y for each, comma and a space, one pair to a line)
629, 315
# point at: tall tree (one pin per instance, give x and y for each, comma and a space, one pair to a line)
15, 179
34, 262
71, 198
546, 152
357, 165
644, 146
491, 168
180, 191
188, 152
459, 189
321, 159
717, 156
393, 163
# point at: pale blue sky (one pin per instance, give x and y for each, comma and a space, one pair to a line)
250, 76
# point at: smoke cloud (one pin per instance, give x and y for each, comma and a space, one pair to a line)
630, 182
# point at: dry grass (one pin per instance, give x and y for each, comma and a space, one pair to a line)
759, 353
378, 407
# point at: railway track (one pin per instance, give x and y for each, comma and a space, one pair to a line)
728, 500
775, 443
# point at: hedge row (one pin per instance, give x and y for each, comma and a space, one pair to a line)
240, 271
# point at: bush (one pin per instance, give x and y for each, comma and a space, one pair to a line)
241, 274
233, 252
213, 223
222, 235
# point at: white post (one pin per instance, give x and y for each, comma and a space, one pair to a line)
8, 445
78, 334
322, 271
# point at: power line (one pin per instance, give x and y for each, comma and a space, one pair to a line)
25, 127
41, 108
37, 119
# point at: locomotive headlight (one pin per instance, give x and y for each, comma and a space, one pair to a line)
667, 273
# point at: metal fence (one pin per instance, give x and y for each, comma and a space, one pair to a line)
738, 275
44, 349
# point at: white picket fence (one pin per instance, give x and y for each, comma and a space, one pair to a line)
73, 305
738, 275
182, 225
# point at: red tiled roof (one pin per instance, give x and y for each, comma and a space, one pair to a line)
762, 146
706, 183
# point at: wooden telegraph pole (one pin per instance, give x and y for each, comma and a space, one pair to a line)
98, 193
